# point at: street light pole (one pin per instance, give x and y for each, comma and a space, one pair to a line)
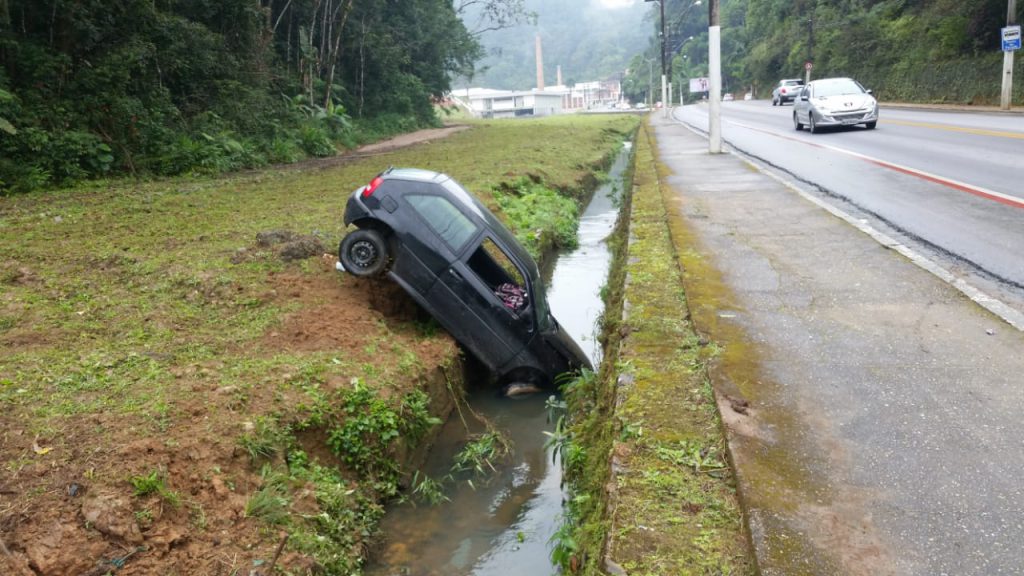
664, 86
715, 70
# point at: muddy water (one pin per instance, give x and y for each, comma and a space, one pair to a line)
502, 527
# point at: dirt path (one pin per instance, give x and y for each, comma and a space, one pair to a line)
377, 148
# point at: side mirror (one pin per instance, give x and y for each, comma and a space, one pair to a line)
870, 91
803, 97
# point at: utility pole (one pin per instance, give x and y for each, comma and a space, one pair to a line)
664, 70
1007, 93
715, 71
810, 48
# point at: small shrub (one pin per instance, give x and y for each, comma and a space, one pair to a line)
426, 489
369, 424
479, 455
270, 502
266, 439
154, 483
315, 141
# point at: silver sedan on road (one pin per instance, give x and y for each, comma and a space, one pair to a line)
834, 102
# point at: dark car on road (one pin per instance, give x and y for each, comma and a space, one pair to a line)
462, 265
786, 91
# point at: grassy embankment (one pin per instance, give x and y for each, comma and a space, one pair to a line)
174, 391
654, 493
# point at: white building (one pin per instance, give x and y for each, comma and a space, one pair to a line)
487, 103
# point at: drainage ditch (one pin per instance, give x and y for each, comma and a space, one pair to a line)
502, 525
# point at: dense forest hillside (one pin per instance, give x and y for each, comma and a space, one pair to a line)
154, 87
90, 87
913, 50
589, 39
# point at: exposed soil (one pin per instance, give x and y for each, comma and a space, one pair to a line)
67, 507
70, 509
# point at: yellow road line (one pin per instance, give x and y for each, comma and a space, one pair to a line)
978, 131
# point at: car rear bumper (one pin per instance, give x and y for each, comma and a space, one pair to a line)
355, 209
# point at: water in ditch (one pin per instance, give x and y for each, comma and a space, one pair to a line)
502, 527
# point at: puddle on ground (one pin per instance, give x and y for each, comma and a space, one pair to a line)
502, 527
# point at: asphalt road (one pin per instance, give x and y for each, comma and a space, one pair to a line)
949, 183
885, 429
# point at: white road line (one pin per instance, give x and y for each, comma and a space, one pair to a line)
1008, 314
948, 182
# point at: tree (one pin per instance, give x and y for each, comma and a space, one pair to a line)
490, 15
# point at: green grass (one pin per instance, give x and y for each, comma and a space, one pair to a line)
142, 311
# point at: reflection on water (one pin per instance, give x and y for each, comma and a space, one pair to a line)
502, 528
507, 519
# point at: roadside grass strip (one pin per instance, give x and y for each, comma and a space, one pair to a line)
673, 504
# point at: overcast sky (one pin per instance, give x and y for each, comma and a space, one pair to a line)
615, 3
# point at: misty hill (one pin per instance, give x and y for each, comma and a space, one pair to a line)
588, 39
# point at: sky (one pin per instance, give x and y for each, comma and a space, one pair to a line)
615, 3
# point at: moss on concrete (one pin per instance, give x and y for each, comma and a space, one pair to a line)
656, 453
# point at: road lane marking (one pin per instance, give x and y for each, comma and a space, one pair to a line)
928, 176
947, 127
1000, 309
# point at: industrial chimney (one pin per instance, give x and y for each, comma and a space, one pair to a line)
540, 66
558, 75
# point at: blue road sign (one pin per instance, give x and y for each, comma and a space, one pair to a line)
1011, 38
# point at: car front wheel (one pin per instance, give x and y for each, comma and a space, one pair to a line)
871, 125
364, 253
796, 122
810, 124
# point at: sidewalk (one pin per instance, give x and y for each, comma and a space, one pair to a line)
883, 434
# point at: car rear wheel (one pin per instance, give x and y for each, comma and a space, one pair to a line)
364, 253
796, 122
774, 101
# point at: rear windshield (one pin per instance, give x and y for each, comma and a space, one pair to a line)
444, 218
792, 82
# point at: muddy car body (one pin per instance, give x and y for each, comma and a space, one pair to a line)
463, 266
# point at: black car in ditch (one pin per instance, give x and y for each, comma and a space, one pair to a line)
461, 264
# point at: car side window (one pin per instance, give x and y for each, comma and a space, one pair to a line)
500, 274
444, 218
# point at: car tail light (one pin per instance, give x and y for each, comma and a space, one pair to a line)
369, 188
783, 91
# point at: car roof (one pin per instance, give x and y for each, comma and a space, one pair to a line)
418, 174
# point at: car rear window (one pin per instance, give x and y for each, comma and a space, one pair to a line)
444, 218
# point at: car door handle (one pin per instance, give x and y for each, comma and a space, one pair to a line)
455, 274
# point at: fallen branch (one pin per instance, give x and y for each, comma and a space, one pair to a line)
277, 554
